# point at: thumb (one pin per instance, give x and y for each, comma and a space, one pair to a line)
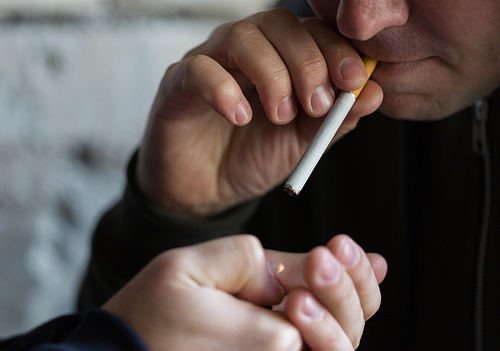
234, 264
288, 268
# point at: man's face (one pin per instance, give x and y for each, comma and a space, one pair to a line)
436, 56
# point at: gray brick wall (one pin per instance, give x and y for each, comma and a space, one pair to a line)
92, 8
77, 78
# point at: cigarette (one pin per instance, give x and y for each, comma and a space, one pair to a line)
325, 134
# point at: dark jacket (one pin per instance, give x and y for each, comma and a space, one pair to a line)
95, 330
426, 195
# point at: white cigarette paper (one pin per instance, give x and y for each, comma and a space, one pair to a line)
325, 134
320, 143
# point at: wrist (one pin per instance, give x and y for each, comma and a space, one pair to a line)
152, 186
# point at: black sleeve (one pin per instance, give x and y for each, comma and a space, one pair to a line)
134, 231
93, 331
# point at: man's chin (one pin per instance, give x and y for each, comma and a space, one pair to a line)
416, 108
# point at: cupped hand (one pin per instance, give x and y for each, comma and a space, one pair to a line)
212, 296
207, 297
231, 120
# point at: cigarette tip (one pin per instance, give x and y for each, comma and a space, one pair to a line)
289, 189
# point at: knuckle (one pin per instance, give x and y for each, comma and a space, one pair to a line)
286, 339
277, 334
169, 82
311, 63
196, 63
241, 32
278, 13
194, 66
204, 66
222, 87
346, 297
252, 251
335, 48
279, 74
171, 262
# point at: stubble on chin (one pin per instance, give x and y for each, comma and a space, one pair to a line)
427, 107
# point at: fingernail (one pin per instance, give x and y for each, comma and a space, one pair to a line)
351, 69
321, 99
274, 269
311, 308
242, 113
286, 109
330, 269
350, 253
277, 289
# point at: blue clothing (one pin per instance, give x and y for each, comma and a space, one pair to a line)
93, 331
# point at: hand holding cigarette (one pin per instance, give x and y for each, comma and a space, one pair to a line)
234, 116
325, 134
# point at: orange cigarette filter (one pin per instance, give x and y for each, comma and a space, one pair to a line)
370, 65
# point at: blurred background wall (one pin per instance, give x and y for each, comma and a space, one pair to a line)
77, 78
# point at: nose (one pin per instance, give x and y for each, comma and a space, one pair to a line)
362, 19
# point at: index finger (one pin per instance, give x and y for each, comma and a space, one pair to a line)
345, 65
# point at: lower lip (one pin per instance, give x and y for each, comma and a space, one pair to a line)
401, 77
